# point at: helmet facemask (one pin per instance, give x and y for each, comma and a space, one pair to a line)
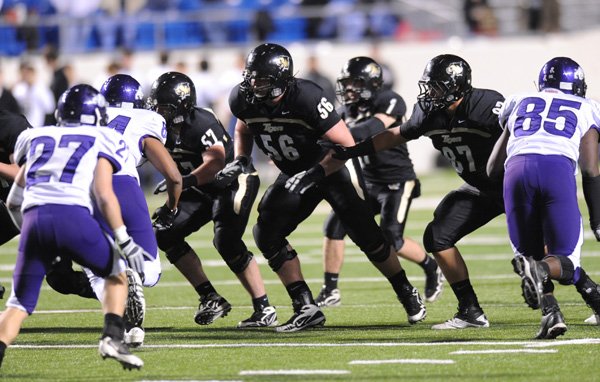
258, 89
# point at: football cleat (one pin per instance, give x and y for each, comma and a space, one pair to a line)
110, 348
212, 306
307, 316
552, 326
134, 337
594, 319
434, 283
533, 278
329, 298
590, 292
267, 316
135, 310
471, 317
413, 304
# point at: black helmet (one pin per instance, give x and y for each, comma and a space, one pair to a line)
269, 71
172, 95
445, 80
361, 78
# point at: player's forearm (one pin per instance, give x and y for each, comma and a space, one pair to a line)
388, 139
162, 161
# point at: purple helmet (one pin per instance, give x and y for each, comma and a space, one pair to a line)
81, 105
122, 90
564, 74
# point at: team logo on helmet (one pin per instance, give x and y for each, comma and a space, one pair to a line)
373, 69
578, 75
283, 63
454, 70
183, 90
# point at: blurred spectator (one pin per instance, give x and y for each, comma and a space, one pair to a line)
383, 21
61, 78
36, 99
181, 67
111, 69
76, 24
24, 20
161, 67
480, 17
389, 78
314, 11
314, 74
262, 24
205, 85
7, 100
542, 15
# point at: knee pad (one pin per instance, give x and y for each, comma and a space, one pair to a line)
67, 281
240, 263
280, 256
380, 255
567, 270
177, 252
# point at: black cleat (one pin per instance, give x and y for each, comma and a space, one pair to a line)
306, 316
553, 324
212, 306
533, 278
414, 306
329, 298
471, 317
434, 283
267, 316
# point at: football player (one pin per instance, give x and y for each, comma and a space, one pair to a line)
60, 165
544, 133
11, 125
201, 147
462, 123
286, 117
389, 175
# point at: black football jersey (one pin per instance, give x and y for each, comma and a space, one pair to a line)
289, 132
200, 130
11, 125
388, 166
467, 138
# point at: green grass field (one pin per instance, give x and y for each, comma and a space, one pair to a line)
366, 338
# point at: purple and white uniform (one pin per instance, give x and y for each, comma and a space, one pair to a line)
540, 191
134, 125
57, 206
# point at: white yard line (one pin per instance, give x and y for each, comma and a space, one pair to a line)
497, 351
294, 372
459, 343
407, 360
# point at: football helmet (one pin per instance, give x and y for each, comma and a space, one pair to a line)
445, 80
81, 105
172, 95
122, 90
268, 73
361, 78
564, 74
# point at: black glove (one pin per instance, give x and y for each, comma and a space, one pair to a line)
134, 254
163, 218
302, 181
232, 170
591, 192
362, 148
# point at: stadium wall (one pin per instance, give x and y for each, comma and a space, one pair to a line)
509, 65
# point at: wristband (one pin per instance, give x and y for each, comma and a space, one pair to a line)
121, 234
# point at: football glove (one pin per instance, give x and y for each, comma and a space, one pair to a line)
232, 170
304, 180
163, 218
134, 254
187, 181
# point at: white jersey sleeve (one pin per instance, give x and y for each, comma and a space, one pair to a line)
135, 125
547, 123
60, 163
